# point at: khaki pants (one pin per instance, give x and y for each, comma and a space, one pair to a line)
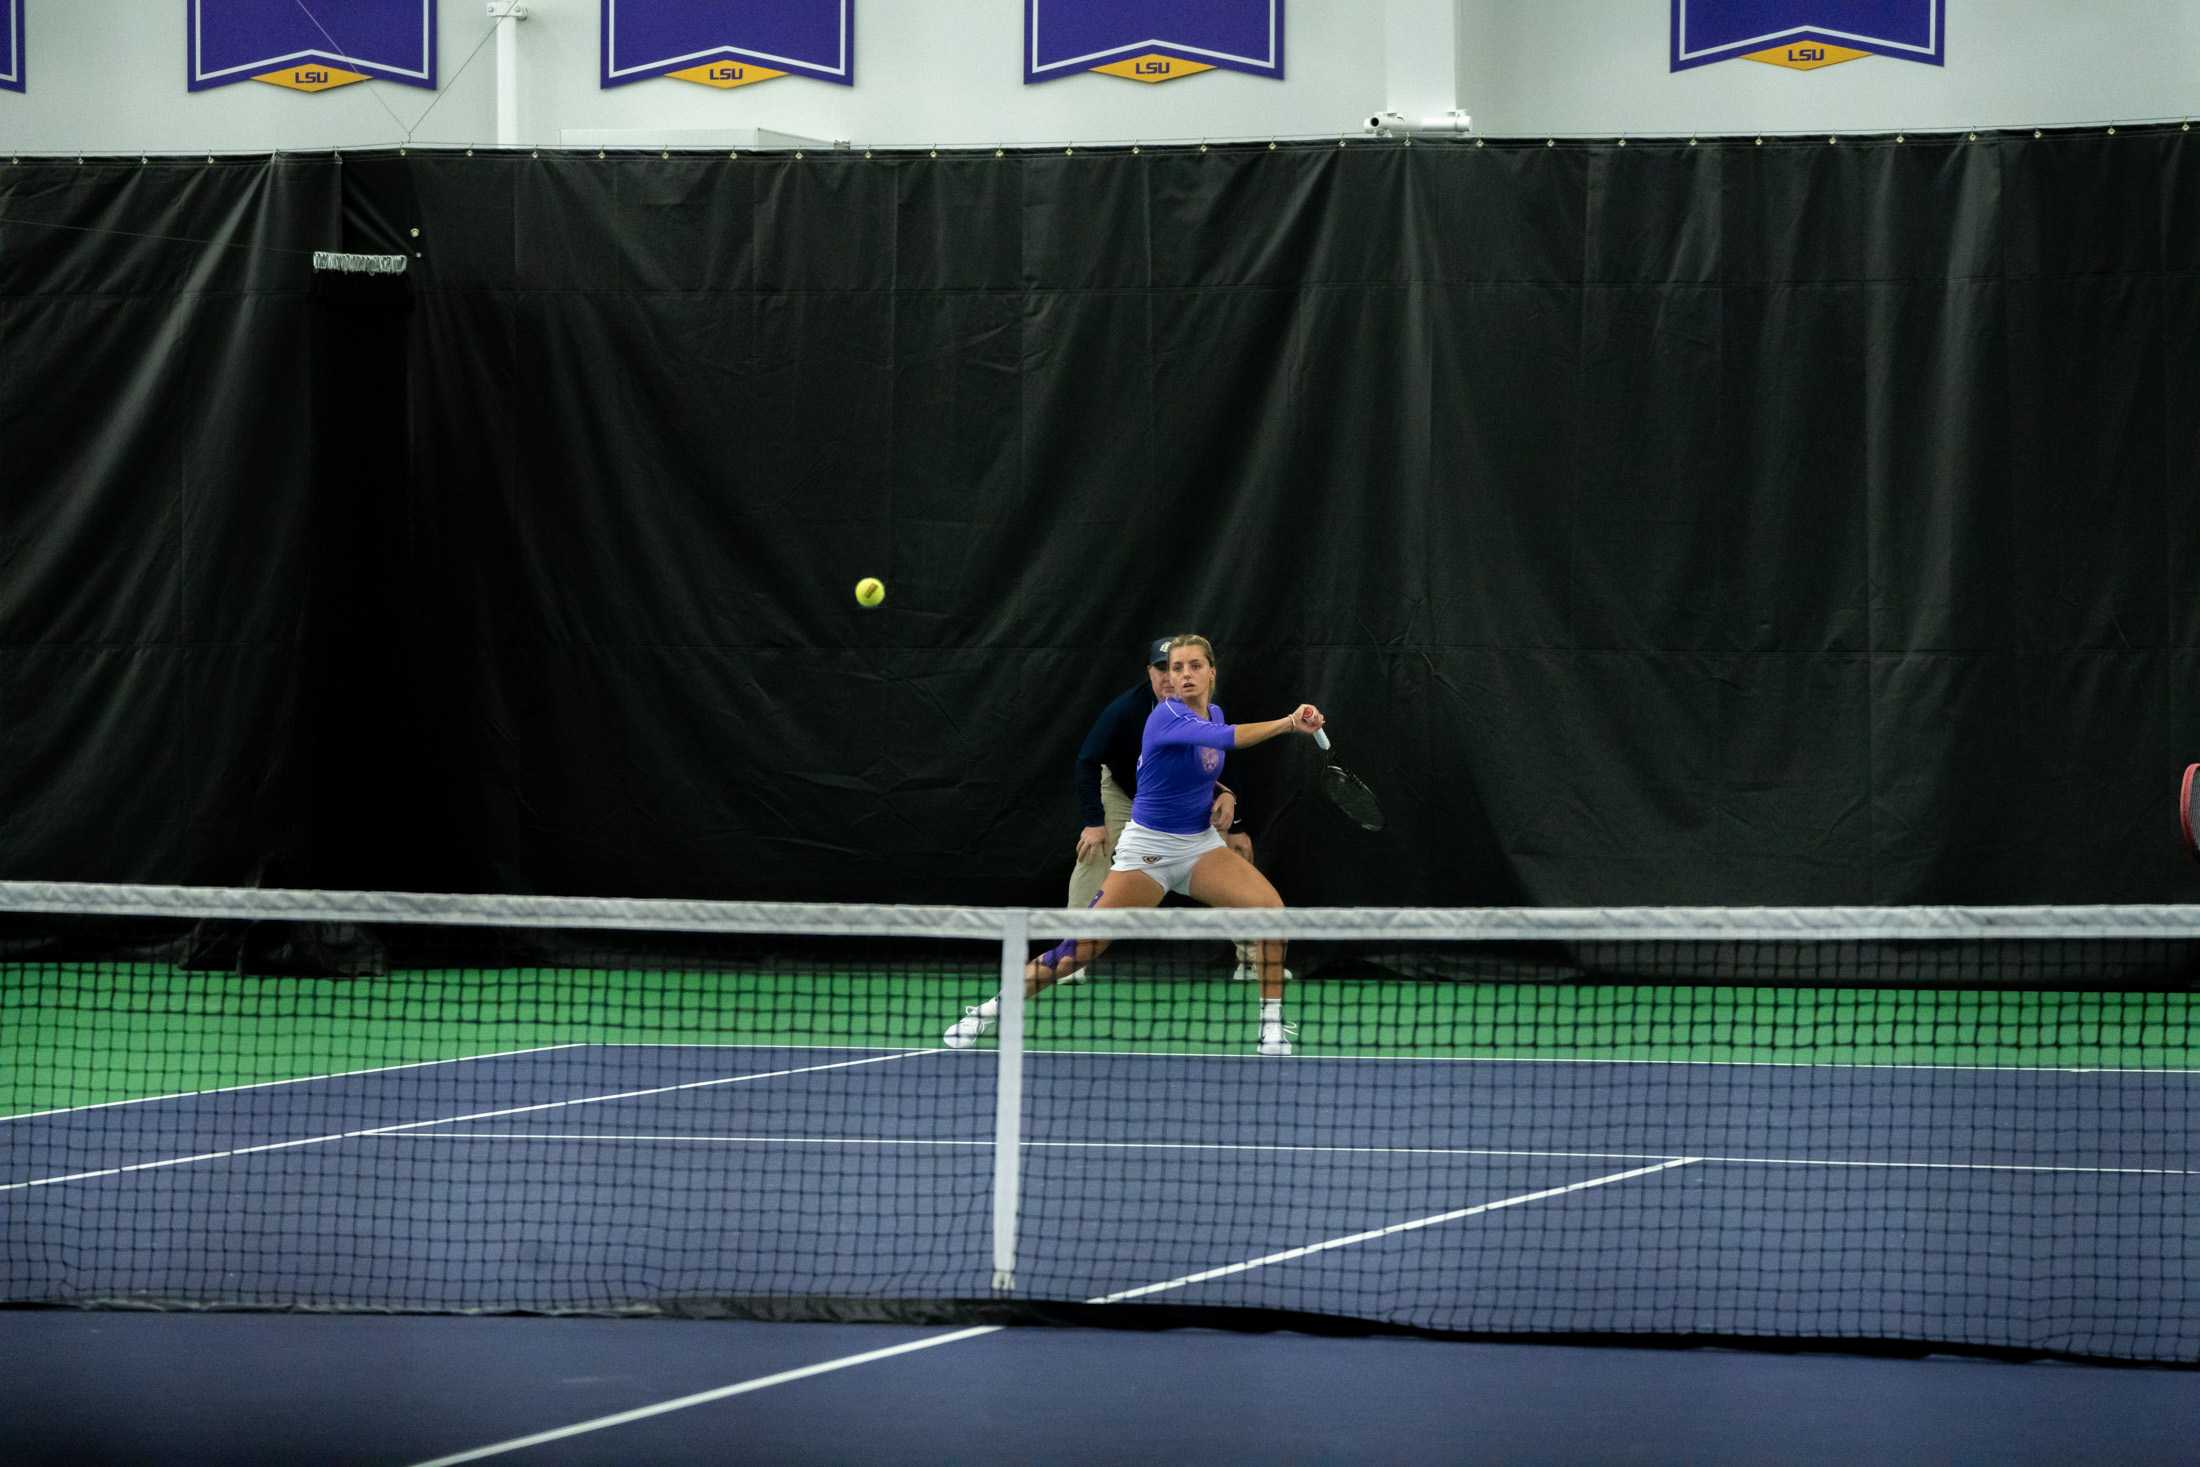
1085, 878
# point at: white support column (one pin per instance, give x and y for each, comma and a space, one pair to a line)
1421, 59
1008, 1106
507, 14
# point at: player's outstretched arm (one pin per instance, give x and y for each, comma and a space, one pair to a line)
1305, 720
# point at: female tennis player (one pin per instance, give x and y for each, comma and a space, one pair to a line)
1170, 843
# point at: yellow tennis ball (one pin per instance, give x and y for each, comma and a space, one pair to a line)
870, 591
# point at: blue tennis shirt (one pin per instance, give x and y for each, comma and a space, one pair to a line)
1180, 760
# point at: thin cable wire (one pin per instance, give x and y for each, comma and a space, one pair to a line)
442, 91
344, 53
222, 244
446, 88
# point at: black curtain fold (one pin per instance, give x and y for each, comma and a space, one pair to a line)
159, 525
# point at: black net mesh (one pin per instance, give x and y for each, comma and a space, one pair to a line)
1968, 1129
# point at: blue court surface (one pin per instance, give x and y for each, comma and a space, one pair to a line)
2037, 1210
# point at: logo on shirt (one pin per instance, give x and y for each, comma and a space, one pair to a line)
1210, 759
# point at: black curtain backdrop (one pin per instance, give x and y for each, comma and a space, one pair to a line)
162, 508
1795, 522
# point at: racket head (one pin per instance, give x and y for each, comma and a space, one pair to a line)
2188, 819
1353, 799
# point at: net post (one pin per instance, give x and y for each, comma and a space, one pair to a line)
1008, 1108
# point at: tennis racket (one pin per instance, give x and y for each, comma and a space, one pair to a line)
2188, 818
1353, 799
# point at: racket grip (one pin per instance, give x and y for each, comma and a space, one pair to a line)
1321, 738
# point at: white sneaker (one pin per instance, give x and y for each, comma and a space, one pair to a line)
965, 1030
1250, 973
1275, 1038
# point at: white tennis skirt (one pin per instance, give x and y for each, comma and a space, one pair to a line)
1167, 858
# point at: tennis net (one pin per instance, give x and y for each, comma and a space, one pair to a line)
1936, 1127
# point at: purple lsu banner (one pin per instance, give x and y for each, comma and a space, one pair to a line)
11, 47
311, 45
1151, 40
728, 43
1807, 34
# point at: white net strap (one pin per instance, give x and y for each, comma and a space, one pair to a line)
1401, 924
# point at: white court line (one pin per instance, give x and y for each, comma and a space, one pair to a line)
704, 1398
1405, 1227
764, 1382
1138, 1054
1476, 1059
1544, 1059
744, 1044
462, 1059
482, 1115
1270, 1148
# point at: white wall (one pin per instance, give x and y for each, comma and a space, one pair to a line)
108, 76
1529, 67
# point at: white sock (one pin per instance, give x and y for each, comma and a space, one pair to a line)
991, 1008
1271, 1011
